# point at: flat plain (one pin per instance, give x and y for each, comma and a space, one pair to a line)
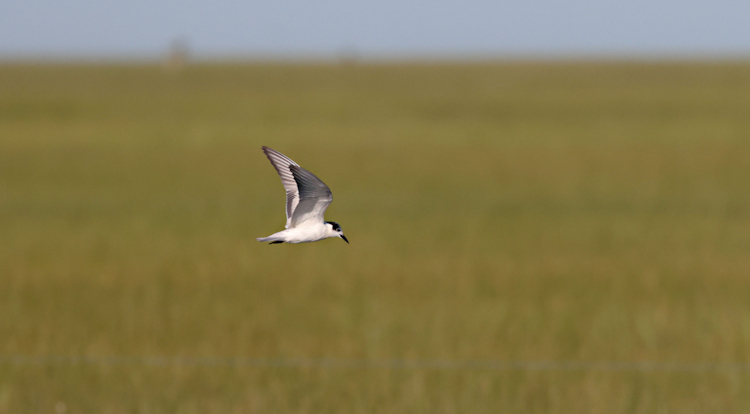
526, 237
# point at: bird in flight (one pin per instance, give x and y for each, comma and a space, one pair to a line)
307, 198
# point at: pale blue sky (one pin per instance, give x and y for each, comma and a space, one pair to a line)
386, 28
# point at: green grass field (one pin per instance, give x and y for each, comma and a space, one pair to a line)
566, 212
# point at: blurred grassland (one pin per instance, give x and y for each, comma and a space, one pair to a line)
518, 211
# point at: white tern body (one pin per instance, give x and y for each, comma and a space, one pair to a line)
307, 198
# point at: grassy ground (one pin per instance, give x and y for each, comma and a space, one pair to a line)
503, 212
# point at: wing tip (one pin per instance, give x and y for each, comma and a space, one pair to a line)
275, 156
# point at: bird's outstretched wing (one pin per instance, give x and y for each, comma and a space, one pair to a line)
282, 164
314, 197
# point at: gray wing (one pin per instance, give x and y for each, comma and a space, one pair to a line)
314, 197
282, 163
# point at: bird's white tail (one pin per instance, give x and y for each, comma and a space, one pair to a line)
269, 239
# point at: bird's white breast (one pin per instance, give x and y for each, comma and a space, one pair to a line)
308, 233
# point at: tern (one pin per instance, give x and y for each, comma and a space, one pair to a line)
307, 198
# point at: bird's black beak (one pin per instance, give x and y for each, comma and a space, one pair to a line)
344, 237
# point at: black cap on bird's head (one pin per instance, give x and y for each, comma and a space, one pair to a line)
337, 229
